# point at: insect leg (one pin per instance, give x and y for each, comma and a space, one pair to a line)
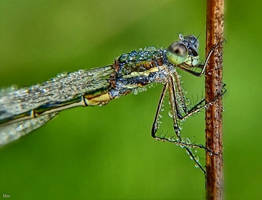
173, 104
180, 91
196, 108
160, 103
155, 125
176, 127
199, 106
174, 108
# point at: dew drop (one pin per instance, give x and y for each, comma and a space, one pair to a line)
170, 114
188, 141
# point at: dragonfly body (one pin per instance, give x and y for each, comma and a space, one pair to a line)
85, 87
23, 110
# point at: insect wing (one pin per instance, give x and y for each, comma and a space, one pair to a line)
16, 130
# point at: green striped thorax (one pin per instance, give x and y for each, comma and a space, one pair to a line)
184, 51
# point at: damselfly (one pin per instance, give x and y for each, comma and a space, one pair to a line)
23, 110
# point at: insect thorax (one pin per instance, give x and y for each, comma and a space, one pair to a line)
141, 60
137, 69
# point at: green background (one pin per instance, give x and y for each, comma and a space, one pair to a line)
107, 152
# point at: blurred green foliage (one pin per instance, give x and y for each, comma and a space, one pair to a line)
107, 152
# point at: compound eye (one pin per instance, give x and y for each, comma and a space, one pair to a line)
178, 49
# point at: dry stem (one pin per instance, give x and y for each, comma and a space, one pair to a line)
214, 163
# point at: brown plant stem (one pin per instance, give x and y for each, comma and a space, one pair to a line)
213, 84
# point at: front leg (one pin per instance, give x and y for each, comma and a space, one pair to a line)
187, 67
